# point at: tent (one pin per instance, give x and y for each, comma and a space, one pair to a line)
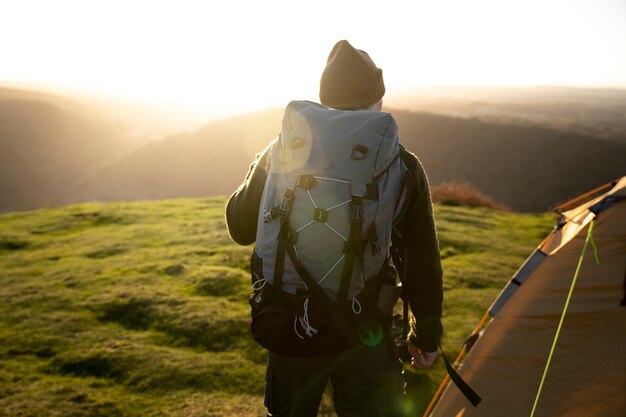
586, 375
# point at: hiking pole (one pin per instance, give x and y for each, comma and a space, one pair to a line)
469, 342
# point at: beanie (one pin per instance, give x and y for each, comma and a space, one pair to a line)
350, 80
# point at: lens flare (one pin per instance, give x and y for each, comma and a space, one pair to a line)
370, 333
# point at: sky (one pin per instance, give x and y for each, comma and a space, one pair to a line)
242, 55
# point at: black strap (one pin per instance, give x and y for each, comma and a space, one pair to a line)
372, 240
284, 211
465, 389
318, 292
354, 246
623, 303
400, 261
387, 168
371, 188
346, 277
279, 265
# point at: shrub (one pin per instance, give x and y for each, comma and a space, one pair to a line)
455, 193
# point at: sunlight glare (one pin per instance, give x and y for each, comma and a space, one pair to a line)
248, 55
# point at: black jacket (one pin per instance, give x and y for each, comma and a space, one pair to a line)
415, 239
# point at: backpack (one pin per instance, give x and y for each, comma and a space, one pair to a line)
334, 188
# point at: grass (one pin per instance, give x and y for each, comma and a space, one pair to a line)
140, 309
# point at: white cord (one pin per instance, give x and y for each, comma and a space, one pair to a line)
256, 286
355, 301
295, 327
304, 322
331, 269
330, 179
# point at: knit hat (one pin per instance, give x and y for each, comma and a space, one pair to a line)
350, 80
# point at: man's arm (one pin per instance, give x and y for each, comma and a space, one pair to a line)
423, 282
242, 210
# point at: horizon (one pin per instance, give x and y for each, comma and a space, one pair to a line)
393, 100
203, 57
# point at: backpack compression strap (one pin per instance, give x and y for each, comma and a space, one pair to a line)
353, 247
284, 210
335, 314
285, 246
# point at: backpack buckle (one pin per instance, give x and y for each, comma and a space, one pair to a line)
371, 191
320, 215
285, 206
270, 214
373, 241
356, 210
305, 182
289, 195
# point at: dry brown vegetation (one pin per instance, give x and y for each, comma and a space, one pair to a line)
455, 193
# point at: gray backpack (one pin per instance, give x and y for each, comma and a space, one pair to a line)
335, 185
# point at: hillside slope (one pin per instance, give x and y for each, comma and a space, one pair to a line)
210, 161
140, 309
526, 168
597, 112
48, 144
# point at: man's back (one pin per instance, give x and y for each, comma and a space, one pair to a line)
307, 299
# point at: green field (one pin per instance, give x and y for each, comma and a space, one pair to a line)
140, 309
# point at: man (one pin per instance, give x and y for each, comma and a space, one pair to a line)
366, 380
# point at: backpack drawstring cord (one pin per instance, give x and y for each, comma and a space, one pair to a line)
258, 284
304, 322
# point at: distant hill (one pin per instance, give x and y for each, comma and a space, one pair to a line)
47, 144
598, 112
57, 149
525, 168
51, 142
210, 161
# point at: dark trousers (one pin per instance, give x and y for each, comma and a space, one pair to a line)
367, 382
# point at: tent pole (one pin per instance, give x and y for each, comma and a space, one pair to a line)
568, 204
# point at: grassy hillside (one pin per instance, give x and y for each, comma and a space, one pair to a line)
140, 309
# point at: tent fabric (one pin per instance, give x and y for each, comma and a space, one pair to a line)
518, 279
587, 376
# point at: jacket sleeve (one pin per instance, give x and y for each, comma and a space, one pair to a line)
242, 209
423, 283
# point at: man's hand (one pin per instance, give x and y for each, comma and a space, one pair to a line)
421, 359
